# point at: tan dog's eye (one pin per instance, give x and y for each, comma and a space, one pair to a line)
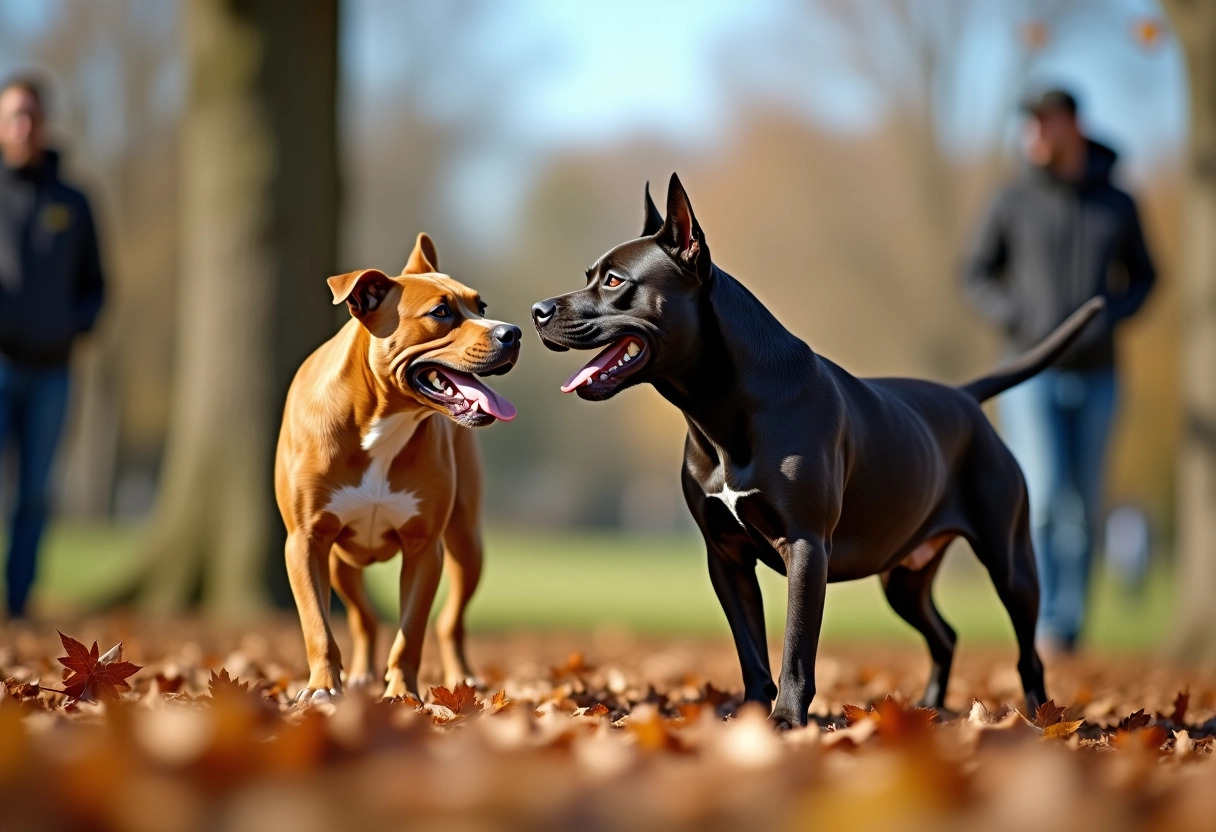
481, 307
441, 311
612, 281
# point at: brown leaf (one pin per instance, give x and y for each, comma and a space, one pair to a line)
1181, 701
461, 701
598, 709
853, 714
1049, 713
20, 690
1134, 721
1061, 730
499, 701
222, 687
87, 678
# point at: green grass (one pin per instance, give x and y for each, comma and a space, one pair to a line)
651, 584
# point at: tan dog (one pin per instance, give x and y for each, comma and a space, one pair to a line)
365, 468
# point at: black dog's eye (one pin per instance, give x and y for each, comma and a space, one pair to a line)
441, 311
613, 282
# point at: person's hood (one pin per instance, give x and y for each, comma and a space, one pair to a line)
1099, 162
47, 168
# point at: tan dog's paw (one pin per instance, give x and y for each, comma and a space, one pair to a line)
361, 681
317, 696
396, 686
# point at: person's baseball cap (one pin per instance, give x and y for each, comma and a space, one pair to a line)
1048, 101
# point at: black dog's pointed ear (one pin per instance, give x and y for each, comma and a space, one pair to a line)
681, 234
654, 220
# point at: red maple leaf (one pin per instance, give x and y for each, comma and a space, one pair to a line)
91, 677
462, 700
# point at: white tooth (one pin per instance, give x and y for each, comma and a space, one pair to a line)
619, 363
589, 382
448, 391
603, 376
627, 358
633, 349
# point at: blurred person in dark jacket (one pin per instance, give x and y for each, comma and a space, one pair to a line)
1059, 234
51, 290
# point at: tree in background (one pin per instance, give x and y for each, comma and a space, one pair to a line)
259, 223
1195, 24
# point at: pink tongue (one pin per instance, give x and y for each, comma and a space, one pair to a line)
489, 401
607, 358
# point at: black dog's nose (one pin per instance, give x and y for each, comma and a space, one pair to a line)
543, 311
506, 334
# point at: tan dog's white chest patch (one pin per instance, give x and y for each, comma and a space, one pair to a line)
372, 509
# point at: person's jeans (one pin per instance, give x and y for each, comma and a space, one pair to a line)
33, 403
1057, 425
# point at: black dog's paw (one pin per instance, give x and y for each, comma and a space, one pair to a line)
785, 722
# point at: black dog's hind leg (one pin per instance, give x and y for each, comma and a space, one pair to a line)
1010, 563
733, 575
910, 594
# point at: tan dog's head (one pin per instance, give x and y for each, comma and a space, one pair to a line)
429, 337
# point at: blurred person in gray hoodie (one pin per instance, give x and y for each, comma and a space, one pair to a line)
51, 290
1054, 237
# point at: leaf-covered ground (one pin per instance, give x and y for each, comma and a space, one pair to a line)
582, 732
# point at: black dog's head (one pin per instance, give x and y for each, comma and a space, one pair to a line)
639, 307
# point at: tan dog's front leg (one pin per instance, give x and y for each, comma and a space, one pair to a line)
419, 581
308, 570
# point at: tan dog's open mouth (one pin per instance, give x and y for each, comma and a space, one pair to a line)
469, 400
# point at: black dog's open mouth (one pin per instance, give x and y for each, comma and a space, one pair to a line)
466, 398
609, 369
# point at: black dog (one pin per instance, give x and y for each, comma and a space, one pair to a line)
793, 462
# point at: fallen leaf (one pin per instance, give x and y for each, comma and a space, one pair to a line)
89, 677
854, 714
220, 686
461, 701
499, 701
1049, 713
1181, 701
1060, 730
1134, 721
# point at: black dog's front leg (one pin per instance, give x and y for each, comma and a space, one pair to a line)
807, 568
738, 592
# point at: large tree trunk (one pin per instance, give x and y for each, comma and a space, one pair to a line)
259, 234
1195, 24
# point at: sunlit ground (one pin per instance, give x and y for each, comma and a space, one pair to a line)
648, 584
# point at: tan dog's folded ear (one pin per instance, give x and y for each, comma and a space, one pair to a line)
423, 259
362, 290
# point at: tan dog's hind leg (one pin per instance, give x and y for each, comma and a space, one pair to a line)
462, 540
463, 548
419, 580
361, 616
308, 570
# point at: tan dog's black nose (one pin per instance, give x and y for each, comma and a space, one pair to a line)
543, 310
506, 334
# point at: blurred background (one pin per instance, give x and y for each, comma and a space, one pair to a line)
838, 153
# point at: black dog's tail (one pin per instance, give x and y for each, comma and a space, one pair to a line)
1038, 358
